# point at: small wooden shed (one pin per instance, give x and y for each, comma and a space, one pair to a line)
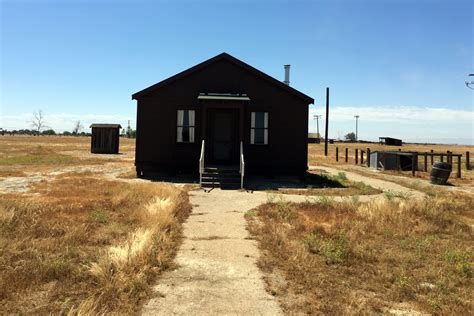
105, 138
393, 160
390, 141
314, 138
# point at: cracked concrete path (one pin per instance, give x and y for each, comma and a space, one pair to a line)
217, 271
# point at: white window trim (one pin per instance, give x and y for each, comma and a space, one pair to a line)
265, 128
179, 126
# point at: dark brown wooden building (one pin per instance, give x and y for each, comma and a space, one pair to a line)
218, 105
105, 138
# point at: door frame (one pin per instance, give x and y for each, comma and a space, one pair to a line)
209, 105
212, 132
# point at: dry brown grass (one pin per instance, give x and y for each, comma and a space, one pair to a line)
11, 173
84, 244
43, 153
354, 258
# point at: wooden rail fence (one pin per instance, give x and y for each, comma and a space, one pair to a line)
365, 154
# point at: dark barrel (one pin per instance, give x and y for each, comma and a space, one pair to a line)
440, 172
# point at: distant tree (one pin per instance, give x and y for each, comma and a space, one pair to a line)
129, 131
48, 132
67, 133
38, 121
350, 137
77, 127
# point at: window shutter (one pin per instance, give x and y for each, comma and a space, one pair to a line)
265, 131
179, 136
191, 117
191, 126
252, 130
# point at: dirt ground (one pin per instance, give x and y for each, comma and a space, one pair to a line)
218, 268
76, 237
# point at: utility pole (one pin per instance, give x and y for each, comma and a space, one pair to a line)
327, 123
316, 117
357, 125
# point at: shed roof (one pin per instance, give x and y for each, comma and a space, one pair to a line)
235, 61
100, 125
395, 153
389, 138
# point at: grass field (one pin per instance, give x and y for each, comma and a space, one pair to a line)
77, 241
394, 256
80, 234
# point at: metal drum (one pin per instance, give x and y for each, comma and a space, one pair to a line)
440, 172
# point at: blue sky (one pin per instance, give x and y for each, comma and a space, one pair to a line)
399, 64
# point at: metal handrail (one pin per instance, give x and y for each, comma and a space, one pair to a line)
242, 165
201, 163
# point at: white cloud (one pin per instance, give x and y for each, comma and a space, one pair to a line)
396, 114
416, 124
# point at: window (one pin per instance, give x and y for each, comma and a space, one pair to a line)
185, 126
259, 128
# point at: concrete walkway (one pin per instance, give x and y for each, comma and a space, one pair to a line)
217, 271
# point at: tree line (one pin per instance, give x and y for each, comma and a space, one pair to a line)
39, 127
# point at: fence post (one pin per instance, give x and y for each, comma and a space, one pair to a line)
468, 162
356, 156
361, 157
449, 158
413, 164
337, 153
442, 158
368, 157
347, 152
432, 157
425, 161
459, 166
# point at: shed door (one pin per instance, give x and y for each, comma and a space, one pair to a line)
222, 135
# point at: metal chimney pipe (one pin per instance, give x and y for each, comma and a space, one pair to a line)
287, 74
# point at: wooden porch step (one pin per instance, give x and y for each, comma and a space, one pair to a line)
225, 177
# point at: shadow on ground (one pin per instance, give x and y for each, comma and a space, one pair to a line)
261, 183
308, 181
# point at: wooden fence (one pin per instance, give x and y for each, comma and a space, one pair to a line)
448, 156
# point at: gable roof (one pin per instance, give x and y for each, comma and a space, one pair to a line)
235, 61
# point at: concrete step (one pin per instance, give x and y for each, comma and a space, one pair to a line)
221, 180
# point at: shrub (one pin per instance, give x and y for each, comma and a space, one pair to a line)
334, 250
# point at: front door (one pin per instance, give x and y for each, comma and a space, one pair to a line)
222, 135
